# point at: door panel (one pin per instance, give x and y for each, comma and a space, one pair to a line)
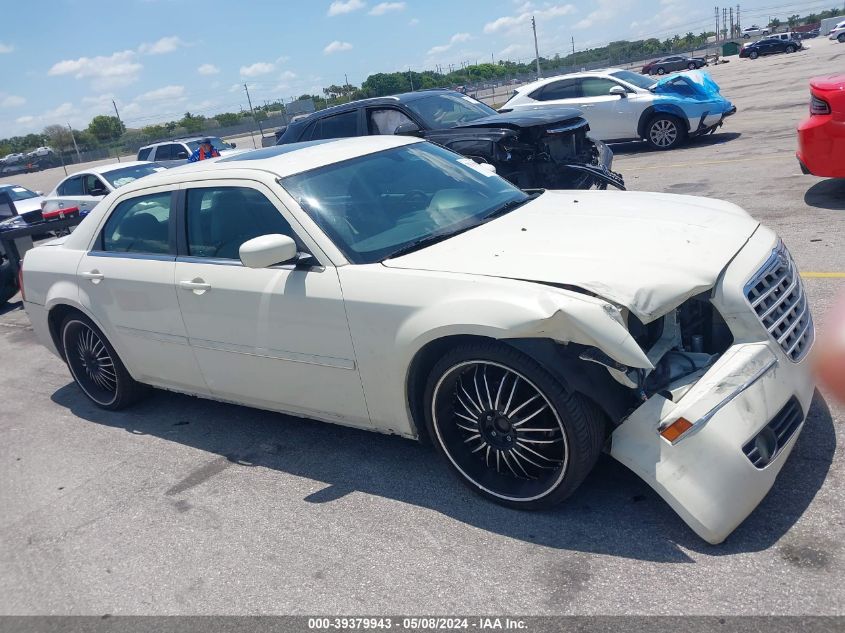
610, 116
126, 282
273, 337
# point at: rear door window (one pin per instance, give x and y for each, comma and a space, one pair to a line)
336, 126
144, 154
385, 120
139, 225
163, 152
564, 89
71, 187
596, 87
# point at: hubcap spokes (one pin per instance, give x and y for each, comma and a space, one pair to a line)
507, 423
96, 361
664, 133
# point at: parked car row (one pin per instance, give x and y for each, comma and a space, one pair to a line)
770, 46
673, 64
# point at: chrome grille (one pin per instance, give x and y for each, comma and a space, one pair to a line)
776, 295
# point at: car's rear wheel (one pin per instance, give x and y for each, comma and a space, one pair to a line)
753, 55
507, 427
665, 132
691, 66
841, 38
96, 367
661, 71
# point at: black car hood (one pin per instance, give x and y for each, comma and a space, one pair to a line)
542, 115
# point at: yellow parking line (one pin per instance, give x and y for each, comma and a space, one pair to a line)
712, 162
823, 275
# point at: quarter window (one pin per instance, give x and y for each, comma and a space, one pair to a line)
71, 187
139, 225
336, 126
566, 89
220, 219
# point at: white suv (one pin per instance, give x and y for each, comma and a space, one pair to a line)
620, 105
176, 152
753, 31
838, 32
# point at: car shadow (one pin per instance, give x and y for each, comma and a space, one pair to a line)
11, 306
827, 194
641, 147
613, 512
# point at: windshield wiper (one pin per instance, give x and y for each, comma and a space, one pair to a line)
426, 241
509, 206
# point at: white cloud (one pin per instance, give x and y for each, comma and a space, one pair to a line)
118, 69
455, 39
509, 22
11, 101
6, 48
287, 75
256, 69
164, 45
606, 10
413, 21
166, 93
339, 7
387, 7
336, 47
208, 69
513, 49
25, 120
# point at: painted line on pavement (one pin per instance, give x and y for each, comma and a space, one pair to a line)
823, 275
712, 162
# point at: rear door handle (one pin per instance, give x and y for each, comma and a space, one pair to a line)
198, 285
94, 275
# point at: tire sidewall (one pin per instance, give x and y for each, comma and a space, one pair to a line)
544, 382
661, 71
120, 371
753, 55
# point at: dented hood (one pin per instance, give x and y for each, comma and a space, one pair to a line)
648, 252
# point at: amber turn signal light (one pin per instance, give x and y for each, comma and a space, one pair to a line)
676, 429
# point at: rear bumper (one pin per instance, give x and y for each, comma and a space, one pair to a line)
38, 316
821, 146
708, 476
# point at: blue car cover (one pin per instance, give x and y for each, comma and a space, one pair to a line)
695, 93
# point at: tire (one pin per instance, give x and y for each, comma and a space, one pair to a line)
661, 71
691, 66
96, 367
790, 49
753, 55
476, 426
841, 38
664, 132
8, 283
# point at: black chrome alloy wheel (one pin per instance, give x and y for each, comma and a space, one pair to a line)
499, 430
90, 362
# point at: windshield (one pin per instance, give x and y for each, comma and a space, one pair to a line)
18, 193
217, 143
119, 177
442, 111
640, 81
378, 204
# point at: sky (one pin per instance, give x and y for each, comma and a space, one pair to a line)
64, 61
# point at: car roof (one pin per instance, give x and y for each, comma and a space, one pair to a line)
405, 97
584, 73
279, 160
104, 169
186, 139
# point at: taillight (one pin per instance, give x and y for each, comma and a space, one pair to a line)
819, 106
20, 281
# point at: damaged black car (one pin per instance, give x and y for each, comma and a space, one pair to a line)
548, 148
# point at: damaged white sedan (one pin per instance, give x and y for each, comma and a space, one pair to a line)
389, 284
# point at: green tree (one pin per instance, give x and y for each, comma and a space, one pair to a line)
106, 128
59, 136
775, 24
192, 122
792, 21
225, 119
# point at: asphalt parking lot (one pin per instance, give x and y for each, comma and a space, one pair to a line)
183, 506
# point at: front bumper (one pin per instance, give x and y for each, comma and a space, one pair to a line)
753, 396
601, 173
709, 122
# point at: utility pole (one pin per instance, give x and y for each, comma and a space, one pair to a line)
738, 25
75, 146
717, 25
117, 114
574, 62
249, 101
411, 79
725, 23
536, 48
732, 22
349, 95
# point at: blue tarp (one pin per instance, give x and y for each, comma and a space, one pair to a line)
694, 92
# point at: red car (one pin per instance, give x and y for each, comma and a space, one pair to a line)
821, 136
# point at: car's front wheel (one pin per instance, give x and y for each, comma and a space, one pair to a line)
753, 55
665, 132
507, 427
841, 38
661, 71
790, 49
96, 367
691, 66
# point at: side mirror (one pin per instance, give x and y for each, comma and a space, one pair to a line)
182, 154
233, 145
618, 91
39, 193
267, 250
407, 129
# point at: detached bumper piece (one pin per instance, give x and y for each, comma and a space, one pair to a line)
601, 172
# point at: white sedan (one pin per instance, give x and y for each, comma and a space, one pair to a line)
386, 283
80, 192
